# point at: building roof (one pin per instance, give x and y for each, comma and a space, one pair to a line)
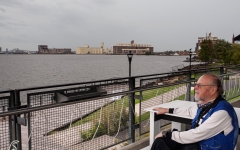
237, 38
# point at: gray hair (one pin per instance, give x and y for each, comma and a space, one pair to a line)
216, 81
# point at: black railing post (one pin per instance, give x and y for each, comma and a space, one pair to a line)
190, 56
225, 71
140, 106
221, 72
130, 69
188, 84
131, 110
29, 122
194, 80
12, 127
18, 126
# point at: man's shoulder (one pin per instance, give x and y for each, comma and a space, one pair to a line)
224, 105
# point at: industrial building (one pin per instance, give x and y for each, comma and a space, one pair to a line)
90, 50
108, 51
140, 49
201, 39
43, 49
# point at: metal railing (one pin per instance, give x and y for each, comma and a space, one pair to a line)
7, 122
95, 115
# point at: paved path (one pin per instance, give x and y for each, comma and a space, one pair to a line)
163, 98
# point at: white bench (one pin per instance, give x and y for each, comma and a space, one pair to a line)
177, 120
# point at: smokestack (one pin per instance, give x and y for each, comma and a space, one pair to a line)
233, 39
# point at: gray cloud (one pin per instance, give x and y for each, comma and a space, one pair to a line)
2, 9
166, 25
104, 2
11, 3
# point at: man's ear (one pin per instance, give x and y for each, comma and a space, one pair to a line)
214, 89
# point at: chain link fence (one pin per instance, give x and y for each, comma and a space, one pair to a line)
95, 115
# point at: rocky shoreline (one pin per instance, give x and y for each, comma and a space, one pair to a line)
193, 67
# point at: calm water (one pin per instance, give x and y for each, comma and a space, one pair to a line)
21, 71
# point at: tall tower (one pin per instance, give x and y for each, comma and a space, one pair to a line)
102, 47
233, 39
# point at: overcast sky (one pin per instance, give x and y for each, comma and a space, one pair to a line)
165, 24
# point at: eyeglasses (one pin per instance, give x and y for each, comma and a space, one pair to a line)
200, 85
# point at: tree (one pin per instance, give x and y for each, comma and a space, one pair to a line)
236, 53
206, 51
221, 51
147, 53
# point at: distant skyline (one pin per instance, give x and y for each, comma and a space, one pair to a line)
166, 25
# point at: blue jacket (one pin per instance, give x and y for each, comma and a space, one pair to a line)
220, 141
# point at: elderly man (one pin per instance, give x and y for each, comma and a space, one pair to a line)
215, 124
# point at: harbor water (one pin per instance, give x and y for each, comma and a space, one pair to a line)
22, 71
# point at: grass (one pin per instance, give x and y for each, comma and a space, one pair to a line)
144, 117
234, 99
232, 94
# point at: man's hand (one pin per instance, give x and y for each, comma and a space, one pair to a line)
159, 135
161, 110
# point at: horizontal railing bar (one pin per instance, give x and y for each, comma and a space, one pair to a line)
229, 74
82, 87
5, 97
130, 138
232, 66
160, 77
64, 85
115, 144
27, 110
6, 91
105, 80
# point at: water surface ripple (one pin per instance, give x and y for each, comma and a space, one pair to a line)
22, 71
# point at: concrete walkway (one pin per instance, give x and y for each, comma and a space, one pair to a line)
159, 99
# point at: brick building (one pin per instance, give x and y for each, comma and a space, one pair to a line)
200, 39
43, 49
124, 48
